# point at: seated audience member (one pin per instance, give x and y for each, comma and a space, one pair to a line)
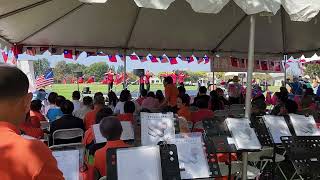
51, 102
183, 103
67, 121
27, 128
201, 94
215, 102
160, 96
88, 138
113, 99
129, 109
142, 97
20, 158
221, 97
35, 114
124, 97
111, 129
307, 101
98, 94
182, 90
150, 102
284, 106
90, 117
203, 111
171, 94
85, 108
258, 101
54, 111
76, 100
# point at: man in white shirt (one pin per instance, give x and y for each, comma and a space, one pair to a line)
76, 100
85, 108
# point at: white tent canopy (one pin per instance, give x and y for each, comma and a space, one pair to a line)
125, 24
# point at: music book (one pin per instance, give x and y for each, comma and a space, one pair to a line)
127, 133
304, 126
139, 163
68, 163
193, 163
244, 136
156, 127
277, 127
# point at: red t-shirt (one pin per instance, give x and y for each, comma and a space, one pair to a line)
174, 78
36, 117
110, 78
147, 78
181, 78
90, 118
201, 114
141, 80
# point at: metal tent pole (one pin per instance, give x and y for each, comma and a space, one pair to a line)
125, 70
285, 57
249, 86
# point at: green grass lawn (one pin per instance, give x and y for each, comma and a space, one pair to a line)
67, 89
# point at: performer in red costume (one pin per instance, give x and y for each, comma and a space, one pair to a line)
110, 79
181, 78
147, 77
174, 78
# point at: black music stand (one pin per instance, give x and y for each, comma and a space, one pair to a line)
169, 163
304, 152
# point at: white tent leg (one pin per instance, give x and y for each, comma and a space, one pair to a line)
249, 86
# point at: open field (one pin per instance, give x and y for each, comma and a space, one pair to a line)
67, 89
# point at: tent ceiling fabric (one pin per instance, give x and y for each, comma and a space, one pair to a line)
222, 25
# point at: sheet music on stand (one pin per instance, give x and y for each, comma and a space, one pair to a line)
244, 136
304, 126
277, 127
128, 162
127, 133
156, 127
68, 163
192, 160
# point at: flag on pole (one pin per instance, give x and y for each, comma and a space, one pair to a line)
4, 53
112, 58
31, 51
152, 58
67, 53
45, 80
173, 60
164, 58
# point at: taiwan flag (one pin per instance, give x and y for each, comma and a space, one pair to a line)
112, 58
5, 54
143, 59
67, 53
189, 59
164, 58
152, 58
134, 57
206, 59
173, 60
264, 65
234, 62
193, 58
200, 60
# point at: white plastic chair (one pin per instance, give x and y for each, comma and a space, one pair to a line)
67, 134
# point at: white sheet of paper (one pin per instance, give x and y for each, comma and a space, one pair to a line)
191, 157
127, 133
277, 127
139, 163
156, 127
304, 126
68, 163
243, 135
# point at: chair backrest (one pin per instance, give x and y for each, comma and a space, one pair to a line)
44, 124
237, 106
103, 178
67, 134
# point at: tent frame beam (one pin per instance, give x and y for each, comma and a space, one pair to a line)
235, 27
5, 40
11, 13
52, 22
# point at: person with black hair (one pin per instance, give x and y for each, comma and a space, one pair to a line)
76, 100
35, 114
85, 107
183, 103
51, 102
88, 137
201, 94
143, 95
97, 94
125, 96
151, 102
67, 121
160, 96
171, 94
129, 109
54, 112
21, 158
203, 111
215, 102
111, 129
90, 117
182, 90
113, 99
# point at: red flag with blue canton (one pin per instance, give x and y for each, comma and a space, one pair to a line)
200, 60
189, 59
112, 58
173, 60
67, 53
152, 58
134, 57
206, 59
143, 59
164, 58
193, 58
4, 55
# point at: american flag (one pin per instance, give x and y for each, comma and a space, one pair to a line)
45, 80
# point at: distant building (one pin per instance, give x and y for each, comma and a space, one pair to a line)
155, 80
